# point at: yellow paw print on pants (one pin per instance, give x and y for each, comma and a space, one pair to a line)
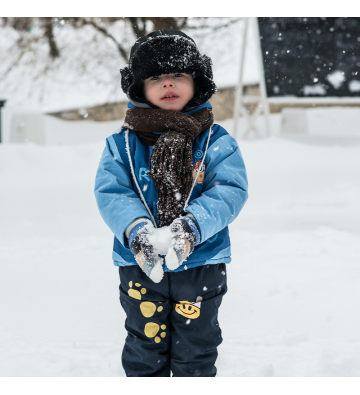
148, 309
134, 293
151, 330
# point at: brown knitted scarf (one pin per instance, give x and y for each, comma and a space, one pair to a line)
171, 158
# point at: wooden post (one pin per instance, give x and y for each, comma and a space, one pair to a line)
239, 89
263, 96
262, 105
2, 103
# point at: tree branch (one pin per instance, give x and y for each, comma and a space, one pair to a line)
49, 34
102, 30
164, 23
134, 22
218, 27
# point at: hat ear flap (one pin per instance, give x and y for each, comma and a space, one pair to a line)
126, 79
207, 63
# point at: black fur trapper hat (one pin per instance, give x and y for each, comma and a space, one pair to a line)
166, 52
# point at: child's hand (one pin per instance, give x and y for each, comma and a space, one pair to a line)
183, 242
144, 253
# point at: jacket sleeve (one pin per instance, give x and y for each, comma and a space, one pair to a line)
118, 203
225, 188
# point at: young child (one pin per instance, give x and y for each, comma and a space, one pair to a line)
168, 185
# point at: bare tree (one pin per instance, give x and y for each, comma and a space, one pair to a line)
48, 26
139, 25
96, 35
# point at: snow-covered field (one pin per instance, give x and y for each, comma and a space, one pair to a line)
293, 303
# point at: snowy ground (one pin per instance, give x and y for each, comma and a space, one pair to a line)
294, 284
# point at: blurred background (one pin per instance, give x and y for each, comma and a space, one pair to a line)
69, 67
294, 281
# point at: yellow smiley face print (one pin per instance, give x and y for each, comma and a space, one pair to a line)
187, 309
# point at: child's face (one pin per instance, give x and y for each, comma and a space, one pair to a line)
169, 91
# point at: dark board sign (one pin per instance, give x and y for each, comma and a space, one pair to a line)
311, 57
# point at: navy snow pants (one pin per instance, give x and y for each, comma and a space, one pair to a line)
172, 326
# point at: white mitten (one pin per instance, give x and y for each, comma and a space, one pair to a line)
186, 236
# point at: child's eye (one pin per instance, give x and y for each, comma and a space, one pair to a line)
177, 75
154, 78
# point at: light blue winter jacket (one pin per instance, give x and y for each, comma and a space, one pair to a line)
214, 203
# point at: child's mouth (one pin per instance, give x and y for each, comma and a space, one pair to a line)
169, 97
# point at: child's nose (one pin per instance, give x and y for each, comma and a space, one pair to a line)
167, 83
